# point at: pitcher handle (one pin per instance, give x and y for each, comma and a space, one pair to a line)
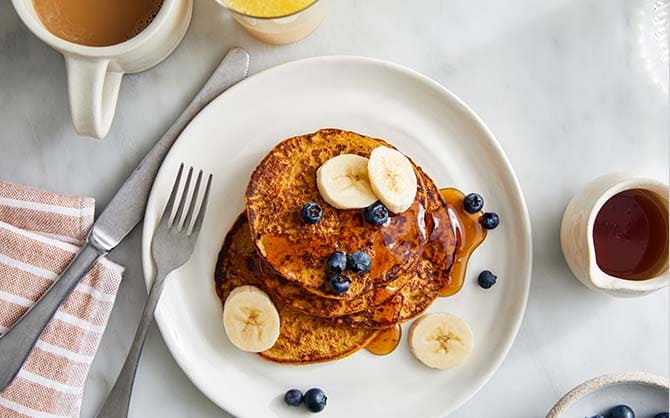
93, 91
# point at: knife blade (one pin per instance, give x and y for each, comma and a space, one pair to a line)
122, 214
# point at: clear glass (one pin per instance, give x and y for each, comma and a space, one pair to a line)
653, 20
282, 29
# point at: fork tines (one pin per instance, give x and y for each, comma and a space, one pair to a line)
188, 215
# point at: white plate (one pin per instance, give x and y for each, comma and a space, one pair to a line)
645, 393
375, 98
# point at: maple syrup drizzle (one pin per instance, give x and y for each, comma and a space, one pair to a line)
470, 234
630, 235
385, 341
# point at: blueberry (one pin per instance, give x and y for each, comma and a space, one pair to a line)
315, 400
597, 416
662, 415
337, 262
339, 283
621, 411
490, 220
486, 279
473, 203
359, 262
376, 213
311, 213
293, 397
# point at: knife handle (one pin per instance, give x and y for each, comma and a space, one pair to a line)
16, 344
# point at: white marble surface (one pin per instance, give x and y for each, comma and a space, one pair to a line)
565, 85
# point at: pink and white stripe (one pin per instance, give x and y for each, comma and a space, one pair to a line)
39, 234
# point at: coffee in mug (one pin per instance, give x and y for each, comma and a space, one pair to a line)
96, 22
91, 33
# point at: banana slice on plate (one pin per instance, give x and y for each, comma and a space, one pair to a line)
440, 340
250, 319
343, 182
392, 178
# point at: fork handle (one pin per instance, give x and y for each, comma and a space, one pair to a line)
16, 344
118, 401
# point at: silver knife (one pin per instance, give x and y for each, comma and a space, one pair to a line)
123, 213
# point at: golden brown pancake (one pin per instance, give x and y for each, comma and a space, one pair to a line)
429, 276
293, 295
432, 272
285, 257
285, 181
409, 302
303, 338
442, 244
382, 316
237, 264
289, 293
420, 292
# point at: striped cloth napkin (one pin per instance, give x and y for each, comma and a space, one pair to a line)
39, 235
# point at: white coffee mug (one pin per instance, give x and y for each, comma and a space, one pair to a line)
94, 73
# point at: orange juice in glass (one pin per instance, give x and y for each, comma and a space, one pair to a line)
278, 21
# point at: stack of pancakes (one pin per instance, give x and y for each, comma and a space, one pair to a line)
271, 247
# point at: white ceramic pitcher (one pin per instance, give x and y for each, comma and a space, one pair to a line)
577, 235
94, 73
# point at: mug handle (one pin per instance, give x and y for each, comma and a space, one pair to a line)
93, 92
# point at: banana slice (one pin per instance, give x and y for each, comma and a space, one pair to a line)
250, 319
343, 182
440, 340
392, 178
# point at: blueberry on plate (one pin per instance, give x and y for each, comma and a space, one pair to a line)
473, 203
359, 262
490, 220
597, 416
312, 213
315, 400
293, 397
337, 262
486, 279
621, 411
339, 283
376, 213
662, 415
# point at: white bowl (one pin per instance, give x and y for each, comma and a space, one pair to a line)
645, 393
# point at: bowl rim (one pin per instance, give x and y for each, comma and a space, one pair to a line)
597, 383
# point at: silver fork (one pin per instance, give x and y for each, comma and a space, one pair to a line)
172, 246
